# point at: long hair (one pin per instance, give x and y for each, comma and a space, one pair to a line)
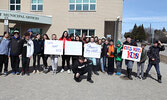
63, 35
47, 37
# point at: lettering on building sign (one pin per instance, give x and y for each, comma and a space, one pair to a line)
6, 15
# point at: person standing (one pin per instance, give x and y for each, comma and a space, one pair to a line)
4, 52
154, 58
38, 44
15, 52
129, 63
118, 59
54, 58
111, 49
27, 50
65, 57
140, 65
105, 51
45, 56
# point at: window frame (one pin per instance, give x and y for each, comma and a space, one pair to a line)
82, 3
36, 4
15, 5
88, 30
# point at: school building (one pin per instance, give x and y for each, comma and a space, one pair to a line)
92, 17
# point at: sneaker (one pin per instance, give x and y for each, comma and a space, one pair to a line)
68, 71
17, 73
5, 73
90, 80
28, 74
13, 73
118, 73
62, 70
96, 73
34, 72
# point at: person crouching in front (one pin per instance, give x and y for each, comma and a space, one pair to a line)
81, 67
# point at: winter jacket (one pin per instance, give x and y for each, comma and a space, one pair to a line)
118, 53
27, 48
15, 46
38, 46
143, 57
4, 46
105, 49
111, 51
153, 52
64, 39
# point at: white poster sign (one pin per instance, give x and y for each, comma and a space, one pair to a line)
53, 47
73, 48
92, 50
131, 53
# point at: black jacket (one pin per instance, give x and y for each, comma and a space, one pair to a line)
15, 47
38, 46
78, 67
105, 50
153, 52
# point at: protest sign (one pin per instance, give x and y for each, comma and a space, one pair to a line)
53, 47
73, 48
92, 50
131, 53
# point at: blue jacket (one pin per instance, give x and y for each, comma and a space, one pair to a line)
5, 47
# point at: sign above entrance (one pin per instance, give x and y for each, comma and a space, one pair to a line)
25, 17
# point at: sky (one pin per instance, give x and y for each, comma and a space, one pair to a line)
144, 12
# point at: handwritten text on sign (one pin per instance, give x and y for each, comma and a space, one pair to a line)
53, 47
92, 50
131, 53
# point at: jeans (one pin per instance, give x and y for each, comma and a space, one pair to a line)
129, 64
156, 68
15, 60
3, 60
54, 61
119, 66
25, 64
67, 59
102, 66
140, 66
36, 57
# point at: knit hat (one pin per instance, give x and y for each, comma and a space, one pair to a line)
118, 42
29, 30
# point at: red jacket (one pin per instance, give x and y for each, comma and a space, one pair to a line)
64, 39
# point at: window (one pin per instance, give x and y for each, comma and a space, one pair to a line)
15, 5
79, 32
36, 5
36, 30
82, 5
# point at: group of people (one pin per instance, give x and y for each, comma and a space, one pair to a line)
28, 47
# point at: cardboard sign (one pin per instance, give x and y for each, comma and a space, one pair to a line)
73, 48
92, 50
53, 47
131, 53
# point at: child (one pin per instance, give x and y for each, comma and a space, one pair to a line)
38, 44
111, 58
82, 67
118, 59
4, 52
154, 59
105, 51
27, 50
65, 57
102, 55
140, 65
54, 58
15, 52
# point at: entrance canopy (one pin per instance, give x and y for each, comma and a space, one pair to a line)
25, 17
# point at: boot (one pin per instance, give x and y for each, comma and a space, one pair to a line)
130, 74
159, 79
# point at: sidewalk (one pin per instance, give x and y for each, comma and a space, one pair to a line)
63, 87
